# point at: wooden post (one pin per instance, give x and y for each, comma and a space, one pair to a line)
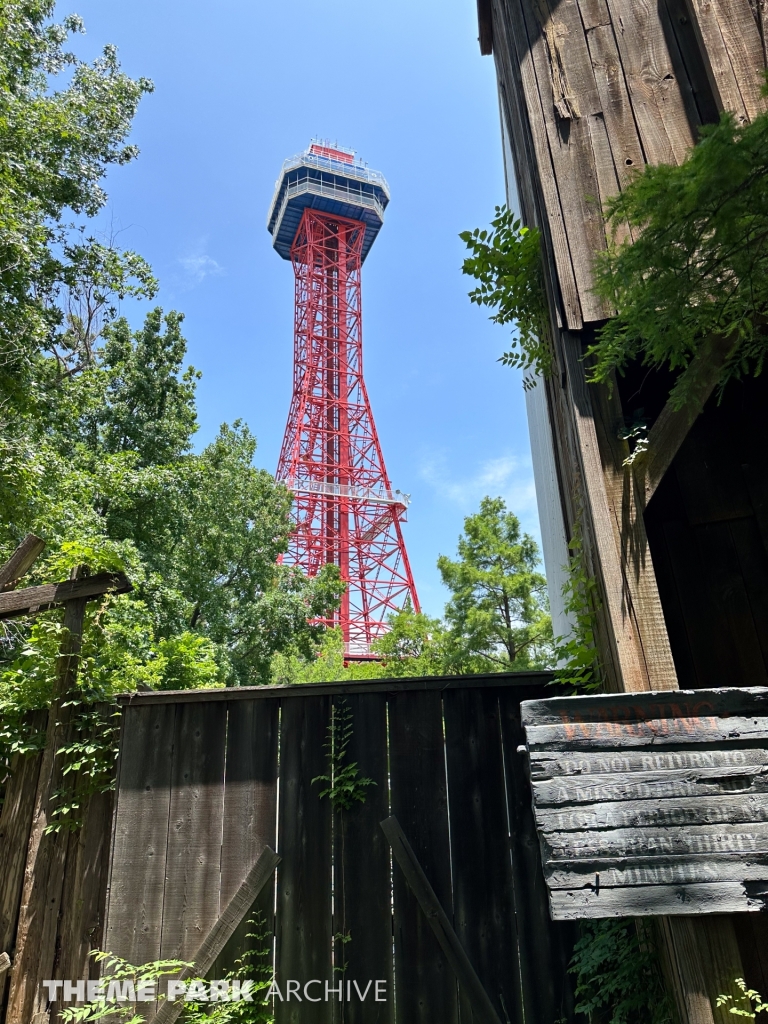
46, 852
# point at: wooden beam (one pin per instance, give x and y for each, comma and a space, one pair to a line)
21, 561
485, 26
22, 602
219, 935
5, 964
672, 425
483, 1009
520, 681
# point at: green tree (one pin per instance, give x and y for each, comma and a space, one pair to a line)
112, 482
64, 123
415, 645
498, 612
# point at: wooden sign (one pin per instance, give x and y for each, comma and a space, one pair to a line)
651, 803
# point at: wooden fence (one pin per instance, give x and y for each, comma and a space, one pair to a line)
65, 892
207, 779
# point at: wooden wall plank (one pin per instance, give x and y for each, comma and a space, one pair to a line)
15, 823
655, 93
191, 901
554, 34
137, 878
483, 889
511, 26
545, 946
81, 924
626, 502
304, 935
731, 41
362, 876
615, 102
426, 988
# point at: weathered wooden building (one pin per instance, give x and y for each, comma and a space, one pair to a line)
590, 91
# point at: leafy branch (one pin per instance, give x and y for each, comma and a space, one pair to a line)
506, 261
576, 654
698, 265
751, 999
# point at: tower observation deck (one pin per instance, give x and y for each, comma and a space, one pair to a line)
326, 212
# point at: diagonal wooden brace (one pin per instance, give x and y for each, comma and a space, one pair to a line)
222, 931
418, 882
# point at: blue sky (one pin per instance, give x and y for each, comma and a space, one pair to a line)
240, 86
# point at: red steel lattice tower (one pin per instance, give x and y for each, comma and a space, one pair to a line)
325, 215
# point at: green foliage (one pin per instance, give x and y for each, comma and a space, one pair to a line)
415, 645
507, 263
575, 655
64, 123
117, 970
698, 265
253, 965
96, 435
618, 979
344, 786
498, 614
751, 1002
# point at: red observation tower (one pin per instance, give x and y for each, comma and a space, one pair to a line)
327, 209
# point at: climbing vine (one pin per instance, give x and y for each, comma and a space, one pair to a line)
344, 786
576, 654
506, 261
751, 1001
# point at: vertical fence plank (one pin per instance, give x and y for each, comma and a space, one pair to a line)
545, 946
135, 901
81, 923
424, 984
250, 815
304, 933
362, 881
191, 900
483, 894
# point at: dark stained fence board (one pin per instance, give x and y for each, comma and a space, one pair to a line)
545, 947
519, 681
250, 819
137, 877
426, 987
483, 893
191, 902
362, 881
652, 804
304, 843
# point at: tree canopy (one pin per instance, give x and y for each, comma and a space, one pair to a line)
98, 419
